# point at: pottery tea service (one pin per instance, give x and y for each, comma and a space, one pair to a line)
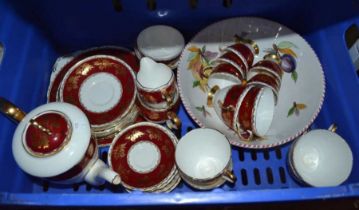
320, 158
161, 43
53, 142
203, 157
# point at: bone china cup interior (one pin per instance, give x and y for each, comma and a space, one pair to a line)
203, 154
160, 42
321, 158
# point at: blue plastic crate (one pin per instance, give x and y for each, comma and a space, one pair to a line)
34, 33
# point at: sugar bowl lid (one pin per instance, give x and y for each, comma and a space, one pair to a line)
51, 139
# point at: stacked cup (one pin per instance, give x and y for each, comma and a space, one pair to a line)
158, 98
244, 95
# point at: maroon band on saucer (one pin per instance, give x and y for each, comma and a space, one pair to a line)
84, 70
118, 155
121, 53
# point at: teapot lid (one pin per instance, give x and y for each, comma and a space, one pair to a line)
61, 144
47, 133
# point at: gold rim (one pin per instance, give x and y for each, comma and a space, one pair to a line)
63, 145
210, 95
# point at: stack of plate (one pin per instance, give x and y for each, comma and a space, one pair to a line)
101, 82
143, 155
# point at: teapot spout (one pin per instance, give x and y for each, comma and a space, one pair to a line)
100, 173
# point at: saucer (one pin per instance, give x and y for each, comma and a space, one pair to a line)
97, 86
143, 156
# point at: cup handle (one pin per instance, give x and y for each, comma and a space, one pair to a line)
168, 98
11, 111
173, 122
210, 95
229, 176
333, 128
248, 41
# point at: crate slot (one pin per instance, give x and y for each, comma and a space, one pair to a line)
244, 177
104, 156
227, 3
266, 154
88, 187
45, 186
278, 153
257, 176
151, 5
269, 175
241, 154
75, 187
117, 5
254, 155
193, 4
282, 175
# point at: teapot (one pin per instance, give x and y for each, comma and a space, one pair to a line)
53, 142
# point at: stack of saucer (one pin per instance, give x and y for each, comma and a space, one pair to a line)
143, 155
101, 82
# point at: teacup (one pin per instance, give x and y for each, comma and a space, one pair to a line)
203, 158
226, 73
264, 79
53, 142
248, 110
233, 64
156, 84
161, 43
163, 115
269, 65
320, 158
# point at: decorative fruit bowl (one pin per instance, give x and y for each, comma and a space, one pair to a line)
302, 91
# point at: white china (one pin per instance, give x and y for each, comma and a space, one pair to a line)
204, 155
321, 158
160, 42
38, 154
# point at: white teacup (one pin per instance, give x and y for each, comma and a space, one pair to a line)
203, 157
248, 110
321, 158
156, 84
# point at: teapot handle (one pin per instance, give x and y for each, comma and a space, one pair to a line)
11, 111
